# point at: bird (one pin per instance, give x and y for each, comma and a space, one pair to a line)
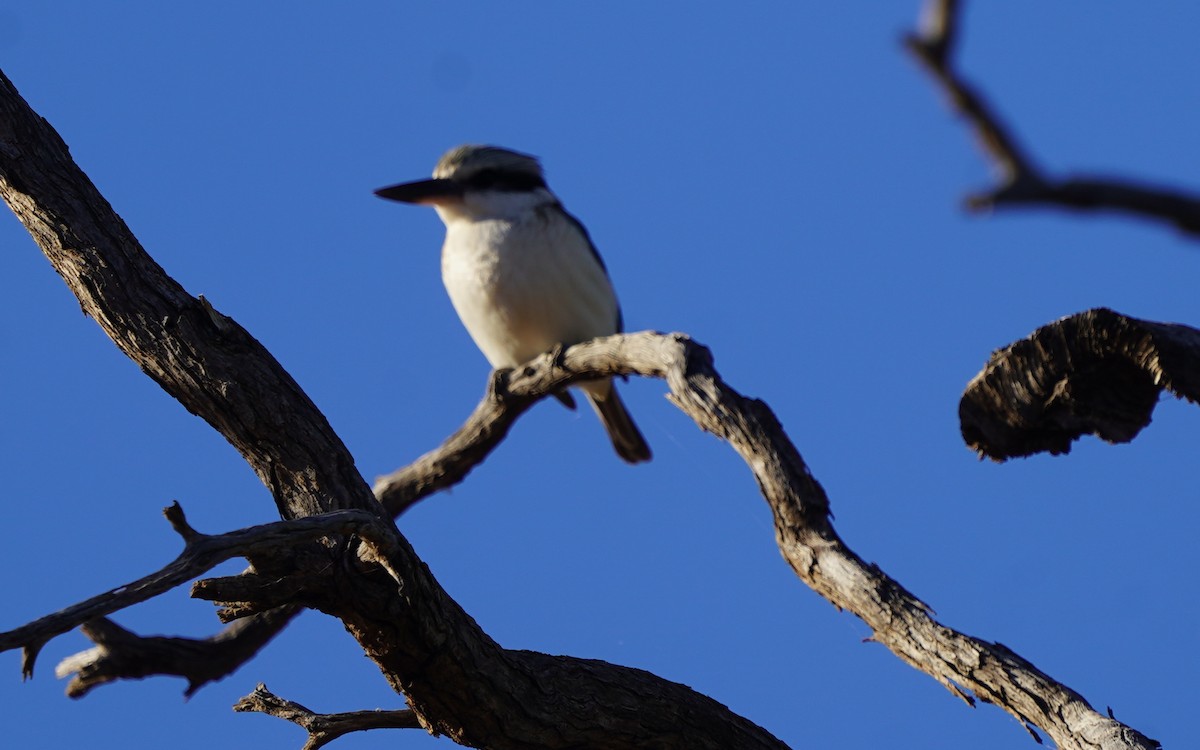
521, 272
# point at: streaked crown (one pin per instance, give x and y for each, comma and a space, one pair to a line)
490, 168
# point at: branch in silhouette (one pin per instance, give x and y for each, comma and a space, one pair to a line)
457, 680
1021, 181
324, 728
460, 682
201, 553
120, 654
969, 667
1094, 373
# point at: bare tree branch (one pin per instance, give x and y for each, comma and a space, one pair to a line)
120, 654
449, 463
508, 396
324, 728
426, 646
205, 360
457, 680
201, 552
963, 664
1022, 182
1094, 373
939, 28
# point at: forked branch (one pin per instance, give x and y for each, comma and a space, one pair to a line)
424, 644
457, 680
122, 655
201, 552
969, 667
324, 728
1021, 180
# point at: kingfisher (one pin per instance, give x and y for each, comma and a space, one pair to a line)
522, 273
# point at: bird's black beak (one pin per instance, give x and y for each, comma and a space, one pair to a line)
422, 191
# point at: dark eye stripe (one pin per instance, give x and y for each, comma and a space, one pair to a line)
494, 179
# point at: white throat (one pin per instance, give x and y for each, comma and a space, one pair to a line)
481, 205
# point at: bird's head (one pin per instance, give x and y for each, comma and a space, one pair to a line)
478, 182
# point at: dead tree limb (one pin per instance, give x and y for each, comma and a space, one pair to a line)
206, 361
450, 462
456, 679
1094, 373
324, 728
969, 667
122, 655
200, 553
1021, 181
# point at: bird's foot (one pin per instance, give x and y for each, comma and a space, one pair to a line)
558, 361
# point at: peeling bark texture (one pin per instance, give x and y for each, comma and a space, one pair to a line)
1021, 181
456, 679
1094, 373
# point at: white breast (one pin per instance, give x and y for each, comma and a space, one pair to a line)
523, 283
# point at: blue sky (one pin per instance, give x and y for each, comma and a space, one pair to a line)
780, 182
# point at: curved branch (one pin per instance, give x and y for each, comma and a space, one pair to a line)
457, 679
1094, 373
509, 394
450, 462
426, 646
1022, 182
963, 664
205, 360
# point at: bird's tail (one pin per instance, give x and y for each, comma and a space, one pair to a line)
625, 436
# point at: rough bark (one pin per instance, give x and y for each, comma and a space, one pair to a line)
122, 655
1094, 373
201, 552
205, 360
323, 728
457, 680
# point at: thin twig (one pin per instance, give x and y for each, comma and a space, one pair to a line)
1021, 182
324, 728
